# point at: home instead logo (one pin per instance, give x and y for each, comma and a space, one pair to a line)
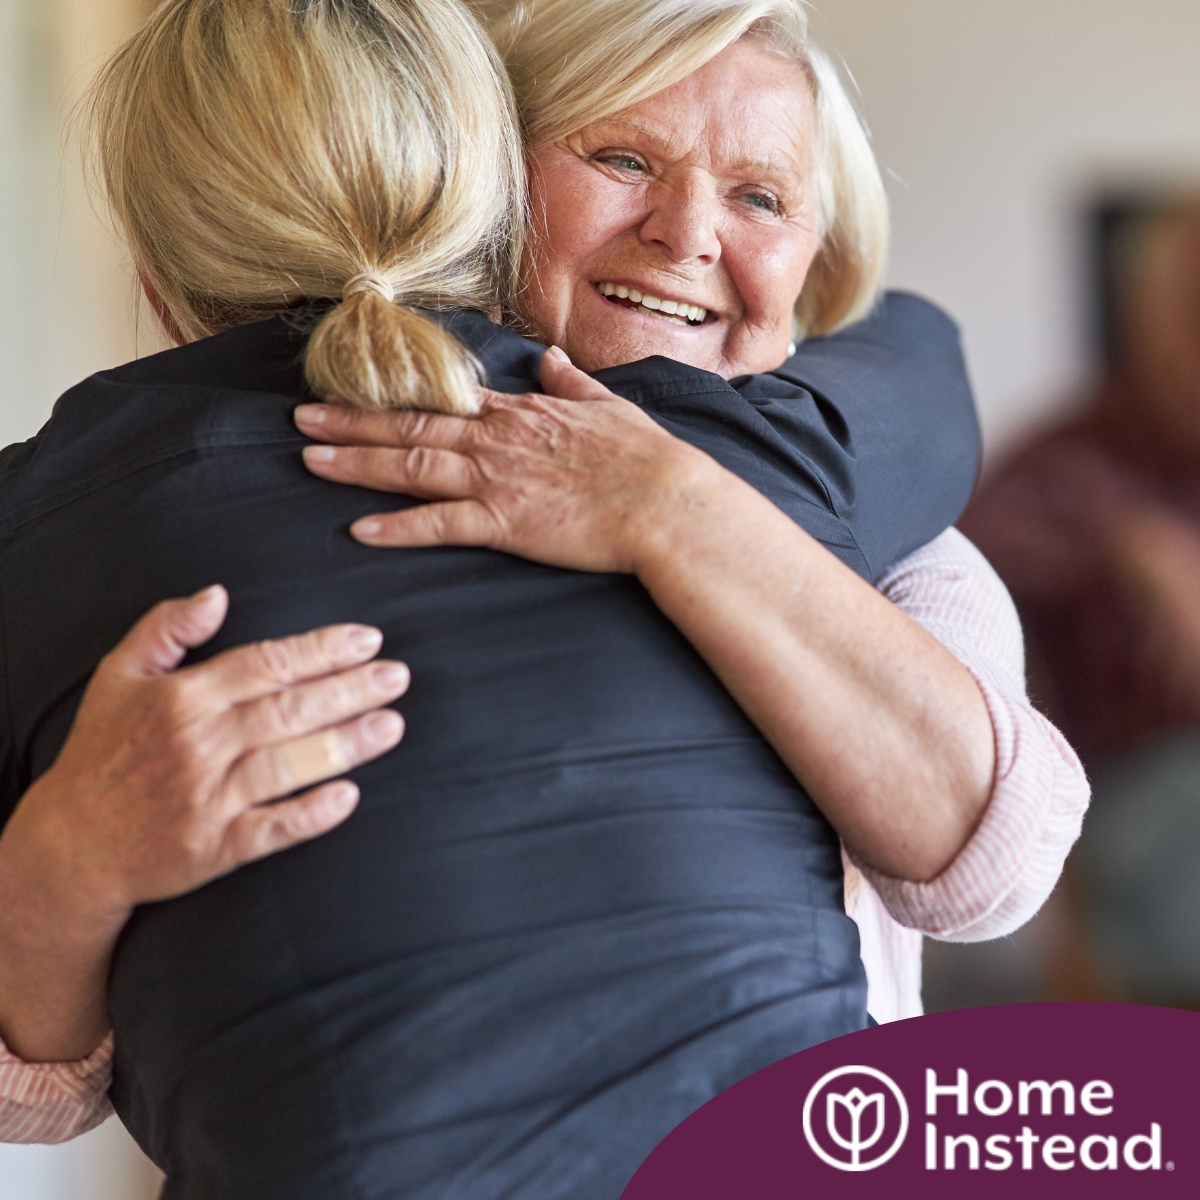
1030, 1100
997, 1100
856, 1119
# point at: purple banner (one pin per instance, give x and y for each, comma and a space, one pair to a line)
1029, 1100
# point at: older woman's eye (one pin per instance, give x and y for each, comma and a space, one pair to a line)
622, 162
764, 202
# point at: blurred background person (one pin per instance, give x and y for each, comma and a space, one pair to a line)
1095, 527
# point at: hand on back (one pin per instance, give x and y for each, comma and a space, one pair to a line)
173, 776
576, 478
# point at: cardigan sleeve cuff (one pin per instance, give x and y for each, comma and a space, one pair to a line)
1012, 861
53, 1102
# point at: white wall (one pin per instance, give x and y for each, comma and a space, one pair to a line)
102, 1165
994, 118
65, 295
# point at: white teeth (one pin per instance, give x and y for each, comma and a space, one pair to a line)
660, 315
667, 309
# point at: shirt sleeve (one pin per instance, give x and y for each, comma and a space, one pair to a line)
1013, 860
868, 439
53, 1102
10, 781
885, 411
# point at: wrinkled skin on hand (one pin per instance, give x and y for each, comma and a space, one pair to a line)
579, 478
189, 787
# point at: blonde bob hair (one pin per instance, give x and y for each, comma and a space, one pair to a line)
262, 153
572, 62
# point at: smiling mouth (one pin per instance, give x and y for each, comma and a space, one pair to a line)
678, 312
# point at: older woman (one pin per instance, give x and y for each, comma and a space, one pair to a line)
707, 156
742, 329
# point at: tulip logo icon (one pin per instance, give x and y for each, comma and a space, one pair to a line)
854, 1123
855, 1103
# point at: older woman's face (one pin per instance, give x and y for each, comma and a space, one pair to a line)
683, 226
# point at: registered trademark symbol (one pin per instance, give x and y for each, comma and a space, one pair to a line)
1170, 1166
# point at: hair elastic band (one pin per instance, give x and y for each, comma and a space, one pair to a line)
368, 281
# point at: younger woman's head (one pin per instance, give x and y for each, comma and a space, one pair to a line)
260, 153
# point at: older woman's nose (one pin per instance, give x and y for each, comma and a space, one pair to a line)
683, 220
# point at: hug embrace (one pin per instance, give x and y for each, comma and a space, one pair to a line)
539, 347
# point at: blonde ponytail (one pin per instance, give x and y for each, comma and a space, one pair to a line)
259, 154
376, 354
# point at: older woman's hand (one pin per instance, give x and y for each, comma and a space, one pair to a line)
170, 778
577, 478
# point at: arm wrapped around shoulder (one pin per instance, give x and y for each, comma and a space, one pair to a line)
1008, 868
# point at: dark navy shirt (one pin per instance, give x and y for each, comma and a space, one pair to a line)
582, 897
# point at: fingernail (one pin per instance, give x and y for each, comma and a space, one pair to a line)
319, 454
366, 529
384, 726
208, 595
310, 414
342, 794
388, 677
364, 639
558, 354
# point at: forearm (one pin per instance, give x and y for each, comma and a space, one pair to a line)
886, 730
1040, 793
55, 951
1010, 865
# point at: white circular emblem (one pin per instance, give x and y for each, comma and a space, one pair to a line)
851, 1126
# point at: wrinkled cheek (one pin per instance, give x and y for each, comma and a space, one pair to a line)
539, 301
754, 346
592, 346
781, 273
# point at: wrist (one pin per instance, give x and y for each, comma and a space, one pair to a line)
54, 956
692, 493
61, 893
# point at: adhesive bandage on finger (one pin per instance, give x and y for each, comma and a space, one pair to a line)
312, 758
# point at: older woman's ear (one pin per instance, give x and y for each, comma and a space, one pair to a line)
161, 311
